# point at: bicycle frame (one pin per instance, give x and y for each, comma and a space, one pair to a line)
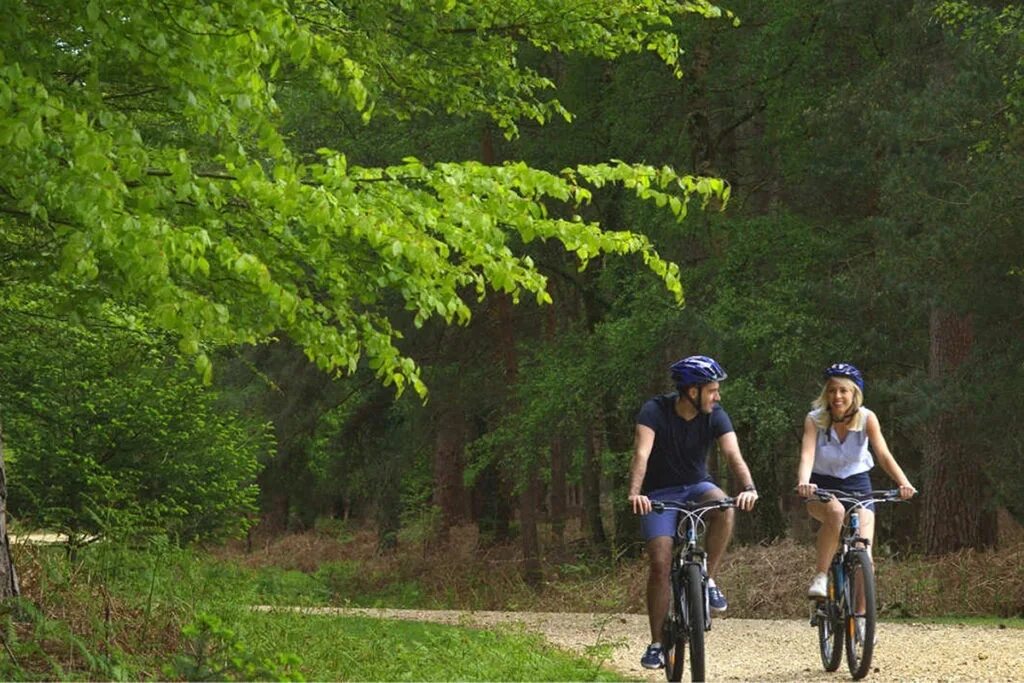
689, 565
686, 550
838, 615
849, 536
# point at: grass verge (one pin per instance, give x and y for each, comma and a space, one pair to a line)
163, 613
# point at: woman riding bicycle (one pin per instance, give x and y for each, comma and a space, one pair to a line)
834, 455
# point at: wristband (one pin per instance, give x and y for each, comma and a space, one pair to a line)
750, 487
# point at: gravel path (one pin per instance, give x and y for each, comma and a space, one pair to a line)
758, 650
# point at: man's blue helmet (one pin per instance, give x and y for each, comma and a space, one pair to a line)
845, 370
696, 370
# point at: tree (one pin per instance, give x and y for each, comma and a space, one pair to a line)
146, 163
108, 434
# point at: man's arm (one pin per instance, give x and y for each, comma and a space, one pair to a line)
642, 445
729, 446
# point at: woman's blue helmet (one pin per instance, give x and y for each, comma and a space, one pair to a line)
696, 370
845, 370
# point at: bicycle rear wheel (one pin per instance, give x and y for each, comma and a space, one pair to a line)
830, 625
860, 638
695, 620
673, 642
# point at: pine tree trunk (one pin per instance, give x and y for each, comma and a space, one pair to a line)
533, 574
528, 497
449, 493
702, 150
559, 478
953, 505
9, 587
592, 448
559, 460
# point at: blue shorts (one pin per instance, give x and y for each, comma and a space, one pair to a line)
855, 483
664, 523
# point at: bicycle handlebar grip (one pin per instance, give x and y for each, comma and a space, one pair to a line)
657, 506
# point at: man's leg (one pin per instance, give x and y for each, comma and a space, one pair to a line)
720, 523
659, 554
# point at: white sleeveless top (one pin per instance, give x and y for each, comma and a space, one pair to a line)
844, 459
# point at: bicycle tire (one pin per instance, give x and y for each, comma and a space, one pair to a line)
860, 647
830, 625
673, 641
695, 592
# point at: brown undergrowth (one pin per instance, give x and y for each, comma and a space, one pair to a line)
761, 581
67, 621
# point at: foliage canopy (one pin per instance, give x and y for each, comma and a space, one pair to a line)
145, 163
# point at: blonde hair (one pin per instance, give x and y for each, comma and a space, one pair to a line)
824, 417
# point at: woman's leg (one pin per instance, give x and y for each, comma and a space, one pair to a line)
867, 530
830, 515
867, 526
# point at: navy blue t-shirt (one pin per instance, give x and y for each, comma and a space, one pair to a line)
680, 453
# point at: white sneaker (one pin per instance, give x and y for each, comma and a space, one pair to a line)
818, 587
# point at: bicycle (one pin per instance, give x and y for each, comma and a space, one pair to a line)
851, 579
688, 615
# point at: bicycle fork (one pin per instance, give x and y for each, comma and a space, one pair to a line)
701, 560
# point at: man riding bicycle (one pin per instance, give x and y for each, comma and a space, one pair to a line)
674, 436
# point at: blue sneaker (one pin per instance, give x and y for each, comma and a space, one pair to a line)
653, 658
716, 599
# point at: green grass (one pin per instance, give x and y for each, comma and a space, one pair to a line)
166, 613
118, 613
356, 648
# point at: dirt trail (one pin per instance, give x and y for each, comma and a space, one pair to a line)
758, 650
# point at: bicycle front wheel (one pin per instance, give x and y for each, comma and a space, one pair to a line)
830, 625
673, 638
695, 617
860, 613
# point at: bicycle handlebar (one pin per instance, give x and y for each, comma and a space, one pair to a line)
860, 498
693, 505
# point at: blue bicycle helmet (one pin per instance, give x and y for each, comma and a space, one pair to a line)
696, 370
845, 370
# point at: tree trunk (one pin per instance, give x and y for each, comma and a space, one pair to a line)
953, 505
533, 574
528, 497
492, 507
559, 478
9, 587
559, 460
449, 493
528, 494
702, 150
592, 448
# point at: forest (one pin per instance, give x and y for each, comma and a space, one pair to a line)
412, 266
